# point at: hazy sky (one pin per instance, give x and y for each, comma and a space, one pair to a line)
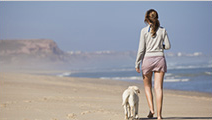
96, 26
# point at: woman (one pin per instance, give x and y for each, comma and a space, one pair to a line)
153, 41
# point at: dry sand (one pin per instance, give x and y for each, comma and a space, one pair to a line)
39, 97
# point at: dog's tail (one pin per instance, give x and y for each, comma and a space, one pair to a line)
125, 100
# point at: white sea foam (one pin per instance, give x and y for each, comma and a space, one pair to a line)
208, 73
176, 80
66, 74
122, 78
168, 74
123, 69
189, 67
169, 79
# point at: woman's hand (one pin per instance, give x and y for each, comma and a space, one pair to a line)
138, 70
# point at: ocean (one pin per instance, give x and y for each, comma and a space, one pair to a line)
188, 79
184, 73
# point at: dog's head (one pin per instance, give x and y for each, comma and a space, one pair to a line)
134, 88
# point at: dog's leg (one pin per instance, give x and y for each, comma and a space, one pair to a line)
136, 110
132, 111
126, 111
129, 111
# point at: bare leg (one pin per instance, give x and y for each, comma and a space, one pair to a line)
159, 92
148, 90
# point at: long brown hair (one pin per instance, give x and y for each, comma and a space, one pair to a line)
151, 17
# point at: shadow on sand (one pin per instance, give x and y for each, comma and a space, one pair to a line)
177, 118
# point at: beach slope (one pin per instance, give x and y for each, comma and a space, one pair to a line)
40, 97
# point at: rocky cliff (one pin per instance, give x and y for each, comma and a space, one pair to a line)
34, 46
32, 52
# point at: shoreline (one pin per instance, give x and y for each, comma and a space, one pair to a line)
27, 96
174, 80
57, 73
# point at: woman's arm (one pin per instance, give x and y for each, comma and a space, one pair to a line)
167, 44
141, 50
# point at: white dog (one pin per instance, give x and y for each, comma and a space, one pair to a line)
131, 102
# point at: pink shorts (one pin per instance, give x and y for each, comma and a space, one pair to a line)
154, 63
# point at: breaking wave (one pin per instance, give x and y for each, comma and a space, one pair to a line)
140, 78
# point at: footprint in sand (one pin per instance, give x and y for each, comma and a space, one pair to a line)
96, 111
54, 119
4, 105
71, 116
85, 112
28, 101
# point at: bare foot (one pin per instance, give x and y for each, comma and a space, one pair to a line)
159, 118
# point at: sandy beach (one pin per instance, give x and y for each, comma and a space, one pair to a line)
42, 97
